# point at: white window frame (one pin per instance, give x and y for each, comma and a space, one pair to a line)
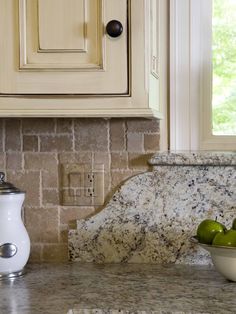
190, 78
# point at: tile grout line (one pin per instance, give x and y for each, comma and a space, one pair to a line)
22, 146
59, 197
73, 134
125, 128
40, 189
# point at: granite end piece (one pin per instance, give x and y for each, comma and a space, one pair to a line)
154, 214
184, 158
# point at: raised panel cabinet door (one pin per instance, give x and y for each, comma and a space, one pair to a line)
61, 47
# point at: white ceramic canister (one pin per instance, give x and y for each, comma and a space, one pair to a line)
14, 239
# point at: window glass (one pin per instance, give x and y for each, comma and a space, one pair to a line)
224, 67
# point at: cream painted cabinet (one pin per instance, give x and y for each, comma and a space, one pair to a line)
57, 58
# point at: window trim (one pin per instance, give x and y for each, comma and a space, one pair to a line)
190, 83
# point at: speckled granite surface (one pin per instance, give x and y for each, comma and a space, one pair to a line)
70, 288
151, 218
207, 158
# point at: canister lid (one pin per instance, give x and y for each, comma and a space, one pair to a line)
6, 187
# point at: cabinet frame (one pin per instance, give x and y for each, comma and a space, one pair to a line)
140, 101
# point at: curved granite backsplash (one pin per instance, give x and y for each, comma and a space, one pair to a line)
152, 216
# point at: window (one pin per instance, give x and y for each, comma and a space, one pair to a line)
224, 67
203, 74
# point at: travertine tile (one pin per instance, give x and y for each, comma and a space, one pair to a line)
64, 125
135, 142
50, 179
119, 160
91, 134
117, 135
41, 161
151, 142
28, 181
68, 214
102, 158
50, 197
55, 253
42, 224
38, 126
56, 143
2, 161
139, 161
142, 125
81, 157
35, 253
14, 161
63, 231
13, 135
30, 143
118, 177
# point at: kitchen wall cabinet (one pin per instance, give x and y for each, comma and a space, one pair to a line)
57, 58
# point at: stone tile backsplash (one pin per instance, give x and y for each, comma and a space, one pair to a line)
31, 150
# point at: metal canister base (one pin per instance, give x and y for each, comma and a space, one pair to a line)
13, 275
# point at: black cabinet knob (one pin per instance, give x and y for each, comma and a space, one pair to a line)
114, 28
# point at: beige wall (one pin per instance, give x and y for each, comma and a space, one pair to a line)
32, 149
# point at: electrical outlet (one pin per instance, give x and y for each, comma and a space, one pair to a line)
94, 186
89, 192
82, 184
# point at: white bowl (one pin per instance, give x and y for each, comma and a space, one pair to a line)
223, 258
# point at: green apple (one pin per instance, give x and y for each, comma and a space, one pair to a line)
227, 238
234, 224
207, 230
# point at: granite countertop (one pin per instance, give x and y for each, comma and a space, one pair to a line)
70, 288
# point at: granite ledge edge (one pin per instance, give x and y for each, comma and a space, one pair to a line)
193, 158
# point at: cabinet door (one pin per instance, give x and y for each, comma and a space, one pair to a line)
61, 47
